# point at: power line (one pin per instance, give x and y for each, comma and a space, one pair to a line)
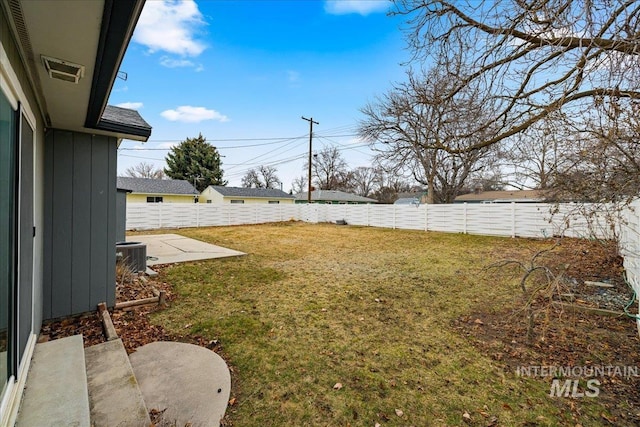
229, 139
348, 147
272, 151
274, 141
278, 141
140, 157
242, 172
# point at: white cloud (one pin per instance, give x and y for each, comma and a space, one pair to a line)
130, 105
168, 62
189, 114
170, 26
165, 61
362, 7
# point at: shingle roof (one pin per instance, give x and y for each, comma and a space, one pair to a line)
156, 186
251, 192
532, 195
334, 196
124, 120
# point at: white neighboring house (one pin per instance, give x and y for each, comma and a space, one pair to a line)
241, 195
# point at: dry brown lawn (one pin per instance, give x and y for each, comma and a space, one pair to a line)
327, 325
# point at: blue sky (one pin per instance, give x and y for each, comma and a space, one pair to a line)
243, 73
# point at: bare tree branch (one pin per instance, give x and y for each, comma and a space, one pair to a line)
145, 170
529, 59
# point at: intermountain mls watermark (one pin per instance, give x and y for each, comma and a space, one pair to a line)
577, 381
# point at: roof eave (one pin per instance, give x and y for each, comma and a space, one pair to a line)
261, 197
165, 194
130, 132
118, 22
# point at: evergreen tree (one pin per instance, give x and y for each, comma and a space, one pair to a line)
196, 161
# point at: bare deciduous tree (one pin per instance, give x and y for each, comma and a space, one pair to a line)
412, 124
365, 180
299, 184
330, 170
263, 177
537, 155
488, 179
604, 165
145, 170
529, 58
389, 186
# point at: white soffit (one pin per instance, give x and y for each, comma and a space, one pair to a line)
66, 30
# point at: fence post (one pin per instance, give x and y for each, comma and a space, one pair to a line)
197, 214
513, 219
464, 220
394, 216
368, 213
160, 215
426, 217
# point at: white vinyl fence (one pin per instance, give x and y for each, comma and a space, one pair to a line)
499, 219
630, 243
511, 219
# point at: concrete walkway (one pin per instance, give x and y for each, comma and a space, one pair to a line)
115, 399
189, 384
56, 392
171, 248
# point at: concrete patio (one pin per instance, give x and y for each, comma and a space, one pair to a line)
100, 386
172, 248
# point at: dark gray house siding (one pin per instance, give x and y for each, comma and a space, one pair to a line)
80, 222
121, 215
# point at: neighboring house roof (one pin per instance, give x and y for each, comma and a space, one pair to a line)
407, 201
334, 196
512, 196
271, 193
123, 120
411, 194
156, 186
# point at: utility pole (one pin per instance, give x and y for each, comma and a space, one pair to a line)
311, 122
196, 178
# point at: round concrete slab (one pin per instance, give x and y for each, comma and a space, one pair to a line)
191, 384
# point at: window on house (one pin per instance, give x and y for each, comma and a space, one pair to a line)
274, 202
8, 244
208, 201
237, 201
154, 199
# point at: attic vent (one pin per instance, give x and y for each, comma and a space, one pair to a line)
63, 70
